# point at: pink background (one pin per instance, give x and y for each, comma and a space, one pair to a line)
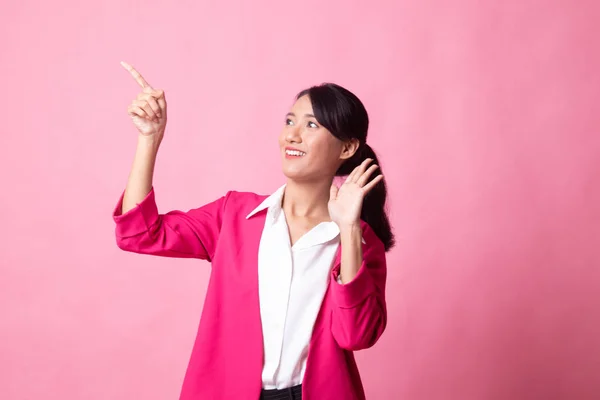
485, 116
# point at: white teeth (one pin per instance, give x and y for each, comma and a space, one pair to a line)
296, 153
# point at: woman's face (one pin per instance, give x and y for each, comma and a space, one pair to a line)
309, 151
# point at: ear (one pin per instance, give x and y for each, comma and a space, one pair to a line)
349, 148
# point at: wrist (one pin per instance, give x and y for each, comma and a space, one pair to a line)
149, 142
350, 227
351, 257
350, 231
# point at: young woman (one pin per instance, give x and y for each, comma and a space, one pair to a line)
298, 277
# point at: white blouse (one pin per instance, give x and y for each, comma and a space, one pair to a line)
292, 281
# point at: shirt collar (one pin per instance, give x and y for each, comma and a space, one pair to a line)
273, 204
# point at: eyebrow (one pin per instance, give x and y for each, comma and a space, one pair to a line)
291, 114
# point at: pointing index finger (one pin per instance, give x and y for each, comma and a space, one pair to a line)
136, 75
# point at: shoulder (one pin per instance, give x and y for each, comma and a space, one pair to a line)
242, 202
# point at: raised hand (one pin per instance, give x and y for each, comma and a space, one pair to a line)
345, 202
149, 109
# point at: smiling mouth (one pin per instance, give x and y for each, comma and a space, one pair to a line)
295, 153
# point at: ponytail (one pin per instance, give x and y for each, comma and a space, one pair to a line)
374, 204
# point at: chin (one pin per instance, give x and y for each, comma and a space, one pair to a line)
294, 174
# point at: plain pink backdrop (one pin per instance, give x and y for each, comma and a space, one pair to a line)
485, 115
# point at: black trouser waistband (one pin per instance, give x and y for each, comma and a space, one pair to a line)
293, 393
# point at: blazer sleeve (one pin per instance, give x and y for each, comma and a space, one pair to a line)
359, 313
191, 234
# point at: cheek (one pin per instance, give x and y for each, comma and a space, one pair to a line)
326, 148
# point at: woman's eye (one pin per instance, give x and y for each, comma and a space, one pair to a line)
289, 122
312, 125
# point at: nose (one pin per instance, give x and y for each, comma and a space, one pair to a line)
292, 134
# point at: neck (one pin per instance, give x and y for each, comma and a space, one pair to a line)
307, 199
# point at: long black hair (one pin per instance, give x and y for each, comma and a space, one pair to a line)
345, 116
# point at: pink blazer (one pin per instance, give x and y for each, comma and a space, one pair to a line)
227, 357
